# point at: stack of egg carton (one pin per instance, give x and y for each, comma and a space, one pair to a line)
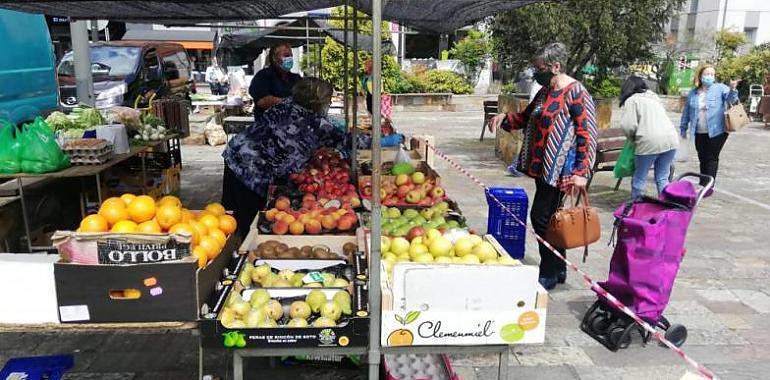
419, 367
88, 151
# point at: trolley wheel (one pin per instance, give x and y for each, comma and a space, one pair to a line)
663, 323
599, 323
676, 334
620, 336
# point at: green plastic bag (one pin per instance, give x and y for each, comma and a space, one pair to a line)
10, 149
624, 166
40, 153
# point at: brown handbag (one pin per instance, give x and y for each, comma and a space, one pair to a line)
735, 118
576, 226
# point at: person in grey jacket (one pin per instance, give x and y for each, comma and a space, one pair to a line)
645, 123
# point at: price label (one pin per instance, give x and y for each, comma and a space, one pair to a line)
312, 277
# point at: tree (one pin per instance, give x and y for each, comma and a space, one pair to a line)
669, 51
728, 42
608, 33
472, 51
364, 22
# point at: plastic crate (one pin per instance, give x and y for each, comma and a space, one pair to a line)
37, 368
502, 225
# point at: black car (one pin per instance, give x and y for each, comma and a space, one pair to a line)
124, 71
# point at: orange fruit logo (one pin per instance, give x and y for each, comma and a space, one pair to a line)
141, 209
529, 320
94, 223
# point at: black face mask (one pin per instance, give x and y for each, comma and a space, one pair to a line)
543, 78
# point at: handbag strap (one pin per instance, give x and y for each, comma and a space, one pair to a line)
585, 233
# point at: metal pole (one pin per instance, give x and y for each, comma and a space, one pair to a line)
94, 31
345, 91
307, 44
85, 84
402, 48
724, 15
354, 113
374, 258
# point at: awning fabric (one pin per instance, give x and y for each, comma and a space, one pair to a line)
428, 15
198, 45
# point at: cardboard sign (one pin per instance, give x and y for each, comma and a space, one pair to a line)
416, 328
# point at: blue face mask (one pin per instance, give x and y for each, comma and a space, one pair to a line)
287, 63
707, 80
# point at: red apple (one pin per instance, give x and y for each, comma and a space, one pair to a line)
403, 190
415, 232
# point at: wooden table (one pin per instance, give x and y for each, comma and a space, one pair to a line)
76, 171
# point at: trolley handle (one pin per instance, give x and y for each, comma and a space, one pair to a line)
709, 185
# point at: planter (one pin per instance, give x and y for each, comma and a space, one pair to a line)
508, 144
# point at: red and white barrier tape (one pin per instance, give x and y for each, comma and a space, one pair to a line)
593, 284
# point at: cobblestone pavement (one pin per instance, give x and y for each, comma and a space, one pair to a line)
720, 293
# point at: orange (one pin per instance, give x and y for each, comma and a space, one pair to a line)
149, 227
210, 245
124, 227
219, 236
200, 229
187, 215
168, 215
94, 223
113, 212
216, 209
141, 209
170, 200
210, 221
184, 229
113, 200
202, 256
127, 198
227, 224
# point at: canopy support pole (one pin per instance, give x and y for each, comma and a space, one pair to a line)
345, 50
82, 60
375, 305
354, 113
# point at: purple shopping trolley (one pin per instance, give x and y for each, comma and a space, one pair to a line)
650, 246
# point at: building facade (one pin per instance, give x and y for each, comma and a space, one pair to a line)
700, 19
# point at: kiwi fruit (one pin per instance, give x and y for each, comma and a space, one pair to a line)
304, 254
267, 252
349, 248
281, 247
294, 252
319, 253
285, 255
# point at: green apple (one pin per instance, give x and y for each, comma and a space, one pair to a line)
463, 246
419, 220
394, 212
410, 213
423, 258
427, 213
418, 178
440, 246
453, 224
384, 244
443, 206
399, 246
417, 249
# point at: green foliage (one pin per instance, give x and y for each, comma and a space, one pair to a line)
441, 81
472, 51
728, 43
509, 88
751, 68
608, 33
332, 65
603, 89
364, 22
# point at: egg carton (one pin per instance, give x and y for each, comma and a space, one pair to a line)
419, 367
87, 147
79, 159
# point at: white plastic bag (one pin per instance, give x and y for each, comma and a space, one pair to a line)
402, 157
683, 153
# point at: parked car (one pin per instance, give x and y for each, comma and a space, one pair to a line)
124, 71
27, 67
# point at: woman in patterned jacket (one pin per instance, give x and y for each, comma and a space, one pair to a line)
559, 145
280, 143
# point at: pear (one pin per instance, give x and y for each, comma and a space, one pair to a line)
296, 280
233, 298
273, 309
261, 272
297, 322
254, 318
331, 310
259, 298
237, 324
227, 317
269, 280
315, 299
267, 323
313, 285
281, 283
241, 308
299, 310
328, 279
340, 283
343, 299
324, 322
286, 274
245, 278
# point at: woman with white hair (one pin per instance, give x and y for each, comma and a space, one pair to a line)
559, 146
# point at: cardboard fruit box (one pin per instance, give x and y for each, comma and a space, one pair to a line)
350, 331
133, 278
490, 304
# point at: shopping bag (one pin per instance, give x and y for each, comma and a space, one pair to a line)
624, 166
39, 151
9, 149
683, 152
736, 118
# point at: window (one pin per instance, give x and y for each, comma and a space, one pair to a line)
693, 6
106, 61
751, 35
674, 27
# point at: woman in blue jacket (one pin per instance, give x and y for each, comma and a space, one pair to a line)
704, 117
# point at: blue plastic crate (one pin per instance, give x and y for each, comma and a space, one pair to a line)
503, 226
37, 368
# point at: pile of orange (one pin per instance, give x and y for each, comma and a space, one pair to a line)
130, 213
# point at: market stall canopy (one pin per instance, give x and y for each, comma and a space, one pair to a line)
243, 46
428, 15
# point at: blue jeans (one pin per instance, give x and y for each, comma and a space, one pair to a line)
643, 163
